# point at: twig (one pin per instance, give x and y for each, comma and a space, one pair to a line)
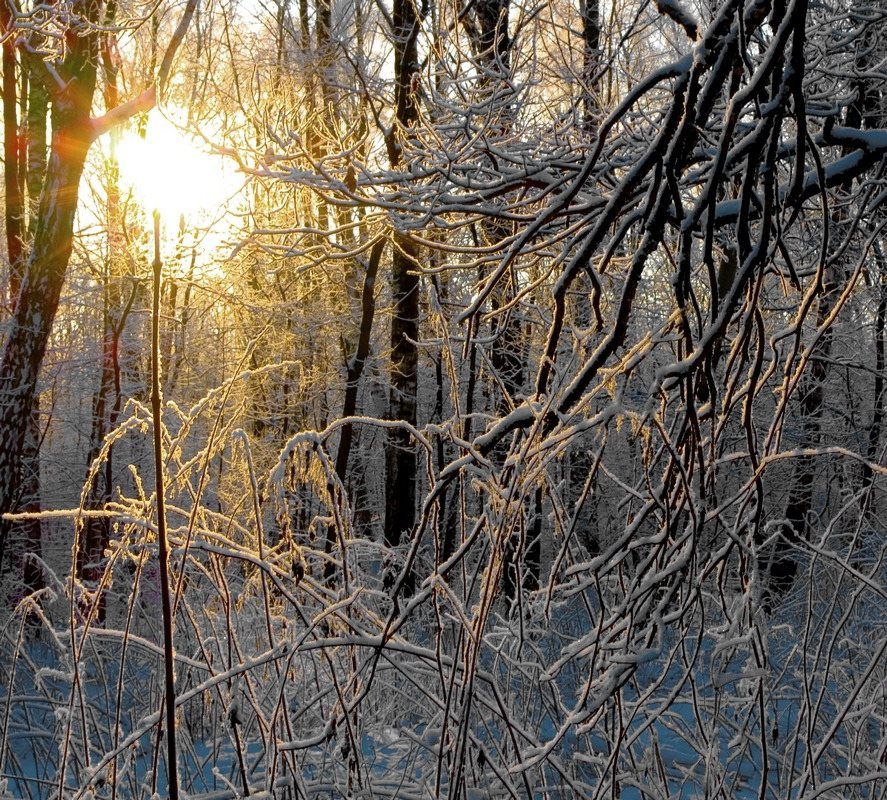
162, 542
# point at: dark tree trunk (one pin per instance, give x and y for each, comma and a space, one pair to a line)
358, 360
401, 459
35, 139
25, 158
94, 534
591, 64
352, 384
578, 460
33, 149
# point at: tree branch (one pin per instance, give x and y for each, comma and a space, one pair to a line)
142, 102
678, 14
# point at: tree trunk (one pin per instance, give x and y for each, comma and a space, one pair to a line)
591, 65
41, 288
25, 158
35, 135
578, 460
352, 384
401, 459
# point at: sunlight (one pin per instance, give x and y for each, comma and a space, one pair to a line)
169, 171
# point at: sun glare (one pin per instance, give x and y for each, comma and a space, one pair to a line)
173, 173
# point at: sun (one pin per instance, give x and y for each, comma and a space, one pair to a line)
173, 173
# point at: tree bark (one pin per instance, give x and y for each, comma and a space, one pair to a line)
578, 460
401, 459
591, 64
25, 158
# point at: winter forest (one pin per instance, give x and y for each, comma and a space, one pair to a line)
443, 399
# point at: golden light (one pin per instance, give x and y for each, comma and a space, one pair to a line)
171, 172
